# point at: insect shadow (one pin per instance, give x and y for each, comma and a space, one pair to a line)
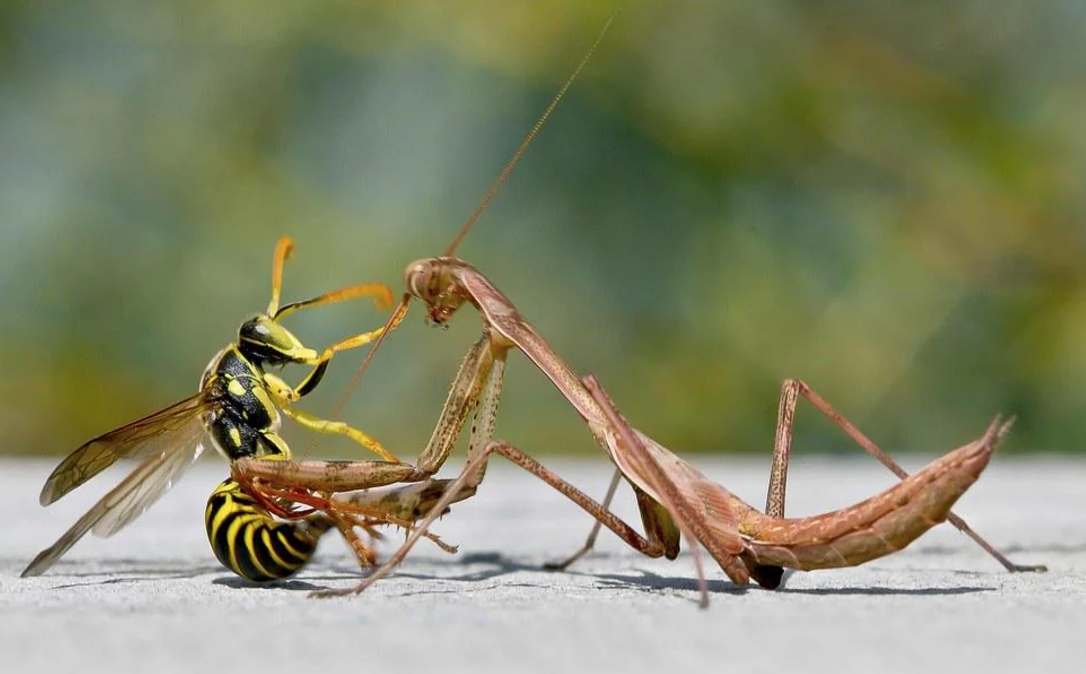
497, 565
888, 591
647, 581
138, 571
238, 583
651, 582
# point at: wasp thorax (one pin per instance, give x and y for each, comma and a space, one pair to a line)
262, 339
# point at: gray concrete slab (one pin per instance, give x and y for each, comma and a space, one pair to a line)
154, 599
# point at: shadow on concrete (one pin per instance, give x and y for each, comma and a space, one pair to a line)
887, 591
651, 582
134, 571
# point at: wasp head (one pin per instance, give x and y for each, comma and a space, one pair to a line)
264, 340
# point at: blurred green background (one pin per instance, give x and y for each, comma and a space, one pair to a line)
884, 199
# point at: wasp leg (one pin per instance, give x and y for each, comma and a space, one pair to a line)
283, 395
319, 425
306, 356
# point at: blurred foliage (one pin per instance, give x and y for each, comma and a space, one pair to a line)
883, 199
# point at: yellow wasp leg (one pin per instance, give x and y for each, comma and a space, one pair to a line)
283, 451
306, 356
319, 425
284, 395
381, 294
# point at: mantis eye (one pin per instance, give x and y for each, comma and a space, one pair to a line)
419, 278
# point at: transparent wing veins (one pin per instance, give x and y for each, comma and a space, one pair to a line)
131, 498
141, 438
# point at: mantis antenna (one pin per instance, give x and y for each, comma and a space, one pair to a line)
401, 309
484, 203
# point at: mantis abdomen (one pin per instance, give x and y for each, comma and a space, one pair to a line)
876, 527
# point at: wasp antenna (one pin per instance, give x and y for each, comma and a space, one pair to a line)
484, 203
283, 250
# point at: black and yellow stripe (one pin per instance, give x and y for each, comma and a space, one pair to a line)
252, 543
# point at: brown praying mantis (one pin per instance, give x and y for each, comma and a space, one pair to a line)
673, 498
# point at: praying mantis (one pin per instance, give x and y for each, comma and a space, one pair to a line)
672, 496
674, 499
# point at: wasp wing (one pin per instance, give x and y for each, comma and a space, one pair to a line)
129, 499
144, 437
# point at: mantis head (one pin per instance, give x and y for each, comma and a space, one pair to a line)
434, 281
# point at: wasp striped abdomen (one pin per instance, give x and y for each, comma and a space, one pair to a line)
253, 544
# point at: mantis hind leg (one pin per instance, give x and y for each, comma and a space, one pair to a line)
791, 390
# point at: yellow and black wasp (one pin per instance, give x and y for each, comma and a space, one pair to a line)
237, 409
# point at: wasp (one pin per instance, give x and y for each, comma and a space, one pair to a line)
237, 410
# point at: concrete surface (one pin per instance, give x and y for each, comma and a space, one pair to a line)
153, 599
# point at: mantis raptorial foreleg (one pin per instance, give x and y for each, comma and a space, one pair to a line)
476, 369
477, 387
